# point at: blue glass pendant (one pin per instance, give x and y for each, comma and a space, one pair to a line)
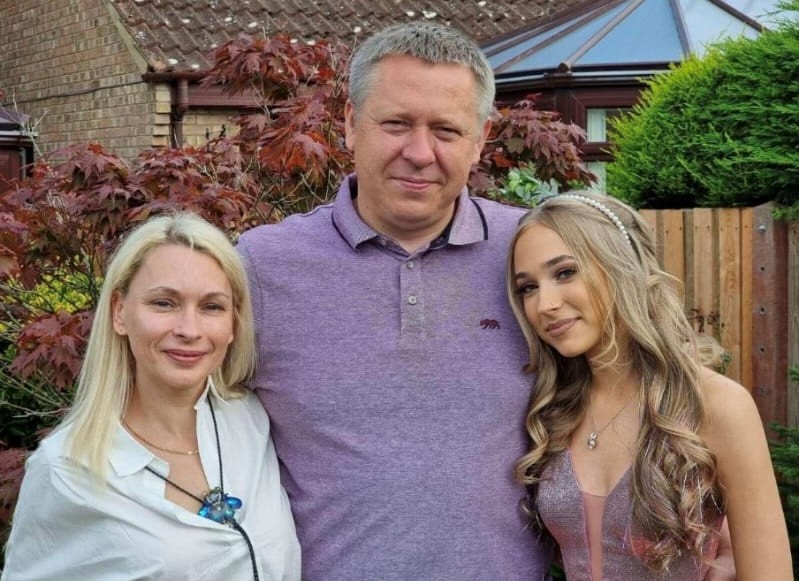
219, 506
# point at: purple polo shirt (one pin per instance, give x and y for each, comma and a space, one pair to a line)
394, 386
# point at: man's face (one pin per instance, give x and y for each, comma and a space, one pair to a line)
414, 141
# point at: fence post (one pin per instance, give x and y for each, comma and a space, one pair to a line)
770, 315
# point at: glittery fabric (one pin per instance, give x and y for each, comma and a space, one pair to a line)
560, 503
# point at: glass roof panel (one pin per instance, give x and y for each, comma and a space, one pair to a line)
705, 23
652, 32
559, 50
648, 34
761, 10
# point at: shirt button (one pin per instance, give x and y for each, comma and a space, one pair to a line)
409, 264
412, 300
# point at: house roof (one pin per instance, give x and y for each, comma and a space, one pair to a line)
12, 127
178, 35
12, 120
630, 38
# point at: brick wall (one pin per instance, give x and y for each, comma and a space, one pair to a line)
200, 124
68, 65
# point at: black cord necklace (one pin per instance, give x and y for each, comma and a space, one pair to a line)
217, 505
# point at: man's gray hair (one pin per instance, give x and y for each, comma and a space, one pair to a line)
431, 42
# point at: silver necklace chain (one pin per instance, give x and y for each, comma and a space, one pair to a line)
594, 435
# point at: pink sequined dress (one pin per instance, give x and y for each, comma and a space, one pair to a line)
596, 535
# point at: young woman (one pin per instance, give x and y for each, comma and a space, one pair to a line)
164, 468
638, 451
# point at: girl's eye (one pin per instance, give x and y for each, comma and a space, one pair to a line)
527, 288
565, 273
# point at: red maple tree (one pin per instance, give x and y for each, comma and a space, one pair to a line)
59, 226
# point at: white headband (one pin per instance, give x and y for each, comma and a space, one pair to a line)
602, 208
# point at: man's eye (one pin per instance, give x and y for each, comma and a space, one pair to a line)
394, 125
447, 133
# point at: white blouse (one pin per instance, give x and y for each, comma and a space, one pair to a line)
67, 529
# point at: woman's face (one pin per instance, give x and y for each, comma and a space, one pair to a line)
556, 299
178, 317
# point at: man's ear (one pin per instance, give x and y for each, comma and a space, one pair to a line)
349, 125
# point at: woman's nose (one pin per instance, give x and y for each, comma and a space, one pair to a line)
188, 324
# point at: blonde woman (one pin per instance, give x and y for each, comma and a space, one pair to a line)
638, 451
164, 468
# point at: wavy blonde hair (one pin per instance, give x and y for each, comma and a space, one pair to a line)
674, 480
106, 376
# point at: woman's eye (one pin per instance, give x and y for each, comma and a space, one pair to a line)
161, 303
527, 288
215, 307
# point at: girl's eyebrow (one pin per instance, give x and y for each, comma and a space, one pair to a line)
558, 259
548, 264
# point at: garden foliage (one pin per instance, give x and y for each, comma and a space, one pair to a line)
785, 456
59, 226
720, 130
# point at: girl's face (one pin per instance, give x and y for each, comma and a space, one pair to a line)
556, 299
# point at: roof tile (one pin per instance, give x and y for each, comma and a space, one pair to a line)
179, 34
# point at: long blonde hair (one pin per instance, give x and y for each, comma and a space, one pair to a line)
106, 376
674, 481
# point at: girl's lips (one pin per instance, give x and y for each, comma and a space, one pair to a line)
560, 327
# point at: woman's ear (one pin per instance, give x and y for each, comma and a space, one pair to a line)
118, 312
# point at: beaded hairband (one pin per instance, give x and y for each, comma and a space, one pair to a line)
599, 206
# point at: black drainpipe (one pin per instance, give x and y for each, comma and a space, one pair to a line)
179, 91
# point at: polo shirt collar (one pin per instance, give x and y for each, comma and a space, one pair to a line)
467, 226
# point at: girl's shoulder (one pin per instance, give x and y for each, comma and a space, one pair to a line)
731, 410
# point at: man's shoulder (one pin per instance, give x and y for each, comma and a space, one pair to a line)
498, 210
293, 227
500, 219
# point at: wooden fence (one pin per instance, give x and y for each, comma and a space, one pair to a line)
740, 270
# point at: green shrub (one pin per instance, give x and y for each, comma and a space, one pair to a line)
785, 456
29, 405
522, 187
721, 130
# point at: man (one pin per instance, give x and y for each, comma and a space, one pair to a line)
389, 360
390, 363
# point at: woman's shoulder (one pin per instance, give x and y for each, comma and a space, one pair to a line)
51, 449
247, 406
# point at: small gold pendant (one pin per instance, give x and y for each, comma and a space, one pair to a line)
592, 440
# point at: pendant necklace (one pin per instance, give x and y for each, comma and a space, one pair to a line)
594, 435
217, 505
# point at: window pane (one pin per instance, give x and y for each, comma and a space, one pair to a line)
596, 122
598, 168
